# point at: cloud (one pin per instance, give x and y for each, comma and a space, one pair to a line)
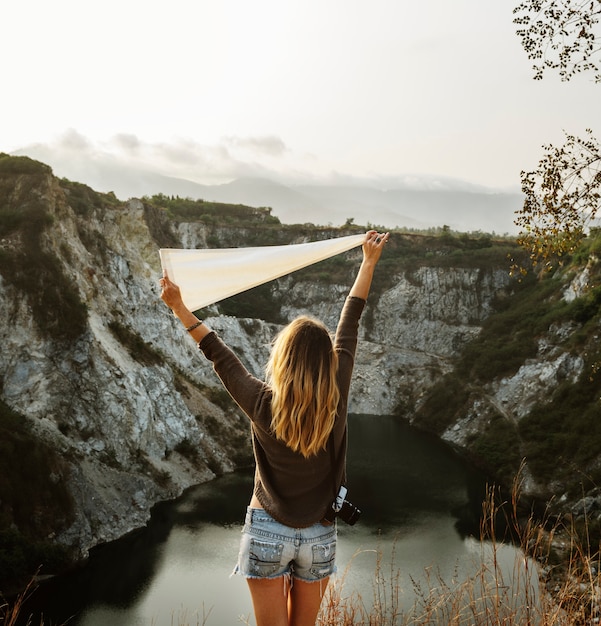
72, 140
268, 144
72, 154
82, 159
231, 158
127, 142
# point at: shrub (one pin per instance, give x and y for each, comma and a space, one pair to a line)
498, 445
221, 398
443, 404
83, 199
56, 306
585, 308
259, 302
22, 165
34, 499
509, 336
188, 449
562, 437
136, 346
188, 209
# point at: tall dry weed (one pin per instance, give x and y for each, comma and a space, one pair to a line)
549, 577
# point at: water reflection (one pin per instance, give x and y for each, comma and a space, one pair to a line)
420, 503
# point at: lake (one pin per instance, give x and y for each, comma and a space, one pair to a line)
420, 504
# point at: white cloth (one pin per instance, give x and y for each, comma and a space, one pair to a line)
207, 276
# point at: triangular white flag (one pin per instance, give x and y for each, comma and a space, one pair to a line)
206, 276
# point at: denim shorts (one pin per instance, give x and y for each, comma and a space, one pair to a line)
269, 549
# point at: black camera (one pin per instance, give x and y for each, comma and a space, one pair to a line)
343, 509
349, 513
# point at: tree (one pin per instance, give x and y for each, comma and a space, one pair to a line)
562, 195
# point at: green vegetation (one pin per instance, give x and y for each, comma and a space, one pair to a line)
590, 248
19, 166
24, 262
509, 336
35, 502
443, 404
221, 398
56, 306
188, 449
261, 302
497, 444
83, 199
136, 346
561, 436
189, 210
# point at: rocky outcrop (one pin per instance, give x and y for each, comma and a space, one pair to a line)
123, 402
134, 409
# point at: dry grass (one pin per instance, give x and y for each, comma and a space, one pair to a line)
529, 590
549, 581
10, 614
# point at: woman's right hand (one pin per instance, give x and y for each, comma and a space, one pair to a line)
372, 249
373, 245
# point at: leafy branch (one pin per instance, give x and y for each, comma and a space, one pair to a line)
562, 194
562, 199
561, 35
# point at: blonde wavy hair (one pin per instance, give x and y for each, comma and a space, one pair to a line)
302, 374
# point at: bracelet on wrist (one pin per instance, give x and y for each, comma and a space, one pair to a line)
195, 325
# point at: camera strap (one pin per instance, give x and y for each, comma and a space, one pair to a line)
336, 487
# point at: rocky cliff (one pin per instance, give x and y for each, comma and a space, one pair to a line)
95, 370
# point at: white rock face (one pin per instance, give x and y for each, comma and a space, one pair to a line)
436, 310
125, 418
120, 420
577, 286
517, 394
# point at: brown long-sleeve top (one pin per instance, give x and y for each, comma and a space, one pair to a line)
294, 490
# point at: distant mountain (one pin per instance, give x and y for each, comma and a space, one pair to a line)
462, 210
461, 207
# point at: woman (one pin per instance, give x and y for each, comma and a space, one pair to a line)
298, 419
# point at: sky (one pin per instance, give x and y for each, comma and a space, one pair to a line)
296, 89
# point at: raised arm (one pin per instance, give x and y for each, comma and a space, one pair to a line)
372, 249
171, 296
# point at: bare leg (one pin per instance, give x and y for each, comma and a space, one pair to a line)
305, 600
270, 600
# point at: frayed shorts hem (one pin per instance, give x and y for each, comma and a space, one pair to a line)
237, 572
315, 580
289, 575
